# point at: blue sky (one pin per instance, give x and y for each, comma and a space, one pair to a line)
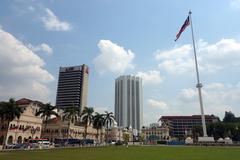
123, 37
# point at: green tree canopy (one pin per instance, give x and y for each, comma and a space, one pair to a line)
229, 117
87, 117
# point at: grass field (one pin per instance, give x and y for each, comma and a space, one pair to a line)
130, 153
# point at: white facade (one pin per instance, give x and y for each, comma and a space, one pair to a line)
28, 126
128, 102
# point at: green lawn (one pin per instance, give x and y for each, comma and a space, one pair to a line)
130, 153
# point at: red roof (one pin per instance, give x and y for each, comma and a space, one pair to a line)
23, 101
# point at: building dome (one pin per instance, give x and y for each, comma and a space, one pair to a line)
189, 140
130, 127
228, 140
220, 140
115, 124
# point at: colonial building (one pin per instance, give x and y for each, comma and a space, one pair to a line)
115, 133
155, 133
59, 129
28, 126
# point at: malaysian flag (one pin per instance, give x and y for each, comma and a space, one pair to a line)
184, 26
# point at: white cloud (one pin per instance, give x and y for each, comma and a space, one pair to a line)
113, 58
31, 8
188, 93
22, 71
150, 117
158, 104
235, 4
41, 48
178, 66
217, 98
152, 77
211, 57
179, 52
52, 23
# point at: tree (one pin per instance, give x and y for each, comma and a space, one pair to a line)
71, 114
108, 120
126, 137
197, 131
2, 104
98, 123
9, 111
87, 117
1, 110
229, 117
46, 111
141, 137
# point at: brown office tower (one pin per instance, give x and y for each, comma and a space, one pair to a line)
72, 87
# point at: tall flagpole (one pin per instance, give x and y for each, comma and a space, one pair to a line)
199, 84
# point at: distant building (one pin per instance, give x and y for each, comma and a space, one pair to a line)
60, 129
72, 87
128, 101
154, 125
28, 126
155, 133
114, 133
181, 126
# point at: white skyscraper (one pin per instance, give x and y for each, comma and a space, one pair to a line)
128, 101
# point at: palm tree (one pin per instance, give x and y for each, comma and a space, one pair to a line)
71, 114
87, 117
9, 111
46, 111
98, 123
108, 120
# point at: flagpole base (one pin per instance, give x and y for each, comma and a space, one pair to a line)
206, 139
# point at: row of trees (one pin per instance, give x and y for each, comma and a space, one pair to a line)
228, 127
230, 118
74, 115
10, 110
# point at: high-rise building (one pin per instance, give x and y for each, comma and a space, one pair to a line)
72, 87
128, 102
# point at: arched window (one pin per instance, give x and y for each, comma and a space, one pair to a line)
10, 140
19, 140
1, 140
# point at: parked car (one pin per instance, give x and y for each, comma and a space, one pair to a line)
33, 143
44, 144
87, 142
21, 146
119, 143
10, 146
113, 142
